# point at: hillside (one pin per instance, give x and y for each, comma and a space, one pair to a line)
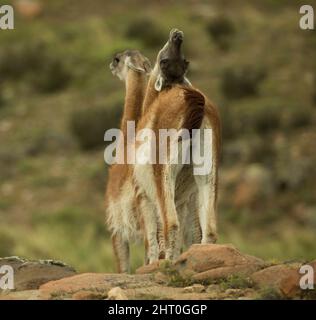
57, 97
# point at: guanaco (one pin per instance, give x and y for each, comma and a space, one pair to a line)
169, 185
129, 211
124, 219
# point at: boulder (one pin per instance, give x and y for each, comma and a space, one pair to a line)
117, 294
272, 276
29, 275
94, 283
28, 8
214, 261
150, 268
290, 284
225, 272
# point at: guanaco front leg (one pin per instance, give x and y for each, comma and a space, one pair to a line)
151, 229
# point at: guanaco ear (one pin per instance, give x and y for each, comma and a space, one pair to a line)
131, 65
187, 82
159, 83
147, 66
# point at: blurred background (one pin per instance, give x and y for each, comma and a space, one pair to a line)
57, 97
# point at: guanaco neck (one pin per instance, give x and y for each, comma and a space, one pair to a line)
151, 92
135, 90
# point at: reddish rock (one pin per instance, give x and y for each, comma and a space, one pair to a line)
151, 268
272, 276
224, 272
93, 282
214, 260
290, 284
28, 8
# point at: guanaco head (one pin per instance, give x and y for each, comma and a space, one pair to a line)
129, 60
171, 65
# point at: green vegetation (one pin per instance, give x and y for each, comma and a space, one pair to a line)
147, 32
175, 279
236, 282
221, 30
309, 294
58, 96
241, 82
269, 294
88, 126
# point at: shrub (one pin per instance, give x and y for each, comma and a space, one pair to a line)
266, 119
2, 100
269, 294
252, 116
229, 130
221, 30
260, 151
147, 32
236, 282
44, 70
7, 244
297, 117
19, 58
241, 82
52, 76
308, 294
89, 125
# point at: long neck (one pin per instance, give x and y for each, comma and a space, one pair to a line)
135, 91
151, 92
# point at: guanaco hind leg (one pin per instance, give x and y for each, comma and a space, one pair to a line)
121, 251
151, 228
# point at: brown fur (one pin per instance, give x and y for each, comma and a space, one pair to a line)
120, 173
179, 107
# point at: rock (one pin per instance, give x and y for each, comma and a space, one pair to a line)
272, 276
89, 295
256, 184
213, 288
157, 292
203, 262
224, 272
20, 295
117, 294
214, 261
150, 268
161, 278
93, 282
234, 292
28, 8
196, 288
30, 275
290, 284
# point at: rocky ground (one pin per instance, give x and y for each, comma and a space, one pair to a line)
202, 272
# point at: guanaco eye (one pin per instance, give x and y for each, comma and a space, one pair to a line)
164, 62
116, 60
